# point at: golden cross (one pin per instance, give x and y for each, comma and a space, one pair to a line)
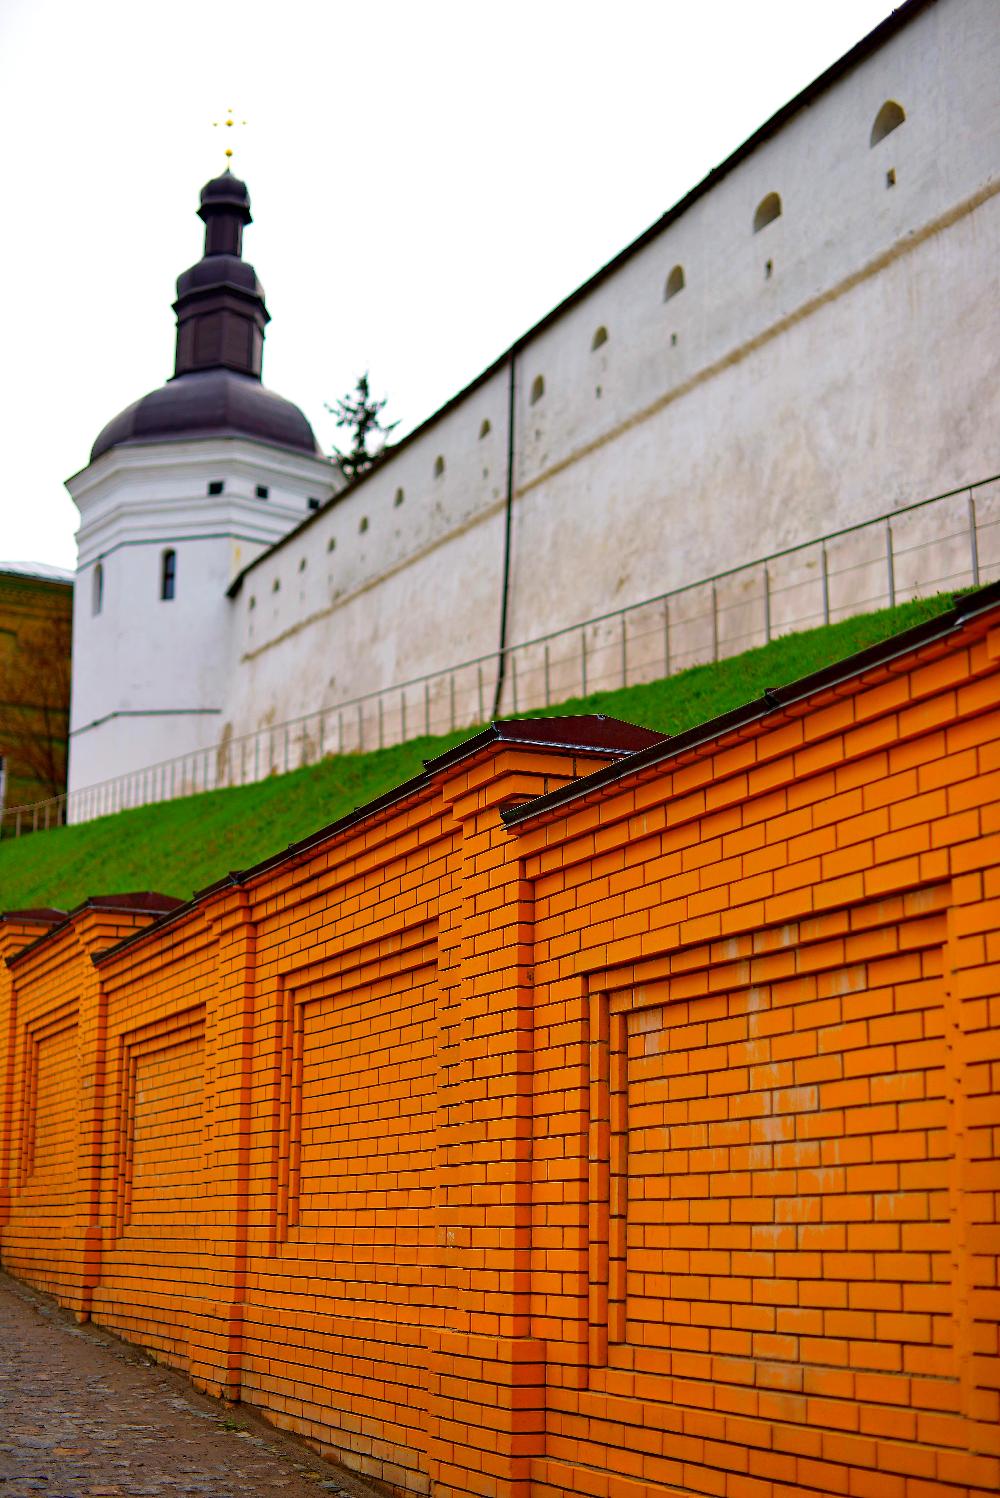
228, 124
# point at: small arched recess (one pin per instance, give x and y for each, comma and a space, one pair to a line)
537, 389
768, 209
601, 336
675, 283
888, 119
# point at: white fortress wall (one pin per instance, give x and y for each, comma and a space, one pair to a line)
860, 374
377, 588
750, 411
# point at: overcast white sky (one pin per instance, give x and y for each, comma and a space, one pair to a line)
428, 178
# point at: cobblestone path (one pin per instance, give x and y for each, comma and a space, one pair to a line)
83, 1415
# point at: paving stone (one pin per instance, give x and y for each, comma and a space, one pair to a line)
83, 1416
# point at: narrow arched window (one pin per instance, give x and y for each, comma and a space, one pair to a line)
601, 336
888, 119
675, 283
537, 389
168, 574
438, 466
97, 596
768, 209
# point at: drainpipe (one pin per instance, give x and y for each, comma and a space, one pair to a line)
508, 520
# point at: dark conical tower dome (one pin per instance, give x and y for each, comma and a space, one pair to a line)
221, 316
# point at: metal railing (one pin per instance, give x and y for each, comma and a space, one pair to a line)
945, 542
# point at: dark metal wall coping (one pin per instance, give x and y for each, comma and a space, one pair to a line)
146, 902
39, 915
592, 734
894, 22
588, 733
980, 601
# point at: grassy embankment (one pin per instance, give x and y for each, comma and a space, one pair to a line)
185, 845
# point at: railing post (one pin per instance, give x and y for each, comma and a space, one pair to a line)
666, 637
547, 694
767, 605
826, 586
715, 624
890, 563
973, 541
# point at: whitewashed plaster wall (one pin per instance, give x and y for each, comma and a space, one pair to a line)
150, 675
840, 361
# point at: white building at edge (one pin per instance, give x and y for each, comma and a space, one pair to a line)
809, 338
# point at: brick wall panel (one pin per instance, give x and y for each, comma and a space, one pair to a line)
649, 1148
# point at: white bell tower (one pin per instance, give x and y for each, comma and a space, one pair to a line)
183, 489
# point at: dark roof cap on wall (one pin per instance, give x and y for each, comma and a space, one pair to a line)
591, 734
142, 902
968, 606
40, 915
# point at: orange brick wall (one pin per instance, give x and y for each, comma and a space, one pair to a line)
648, 1146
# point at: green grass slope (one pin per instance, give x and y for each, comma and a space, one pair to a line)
183, 846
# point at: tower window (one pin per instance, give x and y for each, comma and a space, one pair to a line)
302, 564
263, 492
601, 336
537, 389
438, 466
312, 504
276, 585
675, 283
485, 429
363, 523
768, 209
331, 545
400, 496
888, 119
168, 574
216, 486
97, 597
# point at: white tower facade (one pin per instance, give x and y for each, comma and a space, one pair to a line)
184, 488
